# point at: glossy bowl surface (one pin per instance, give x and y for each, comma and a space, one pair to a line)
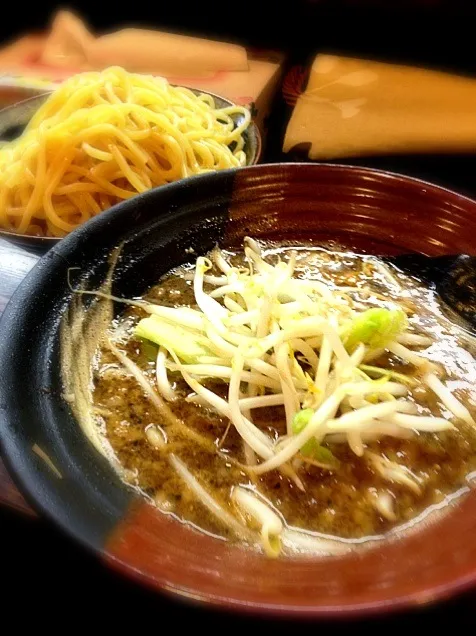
363, 209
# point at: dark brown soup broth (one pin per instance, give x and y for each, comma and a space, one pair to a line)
339, 502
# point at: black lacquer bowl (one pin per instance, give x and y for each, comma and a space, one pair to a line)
364, 209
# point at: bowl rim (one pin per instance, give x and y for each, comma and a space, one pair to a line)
361, 609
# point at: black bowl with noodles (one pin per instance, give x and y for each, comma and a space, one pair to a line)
63, 475
14, 118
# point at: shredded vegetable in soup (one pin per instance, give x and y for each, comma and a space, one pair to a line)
290, 397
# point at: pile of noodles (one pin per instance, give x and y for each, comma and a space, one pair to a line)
104, 137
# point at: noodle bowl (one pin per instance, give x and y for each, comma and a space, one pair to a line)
105, 137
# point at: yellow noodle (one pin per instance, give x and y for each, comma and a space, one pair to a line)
102, 138
95, 152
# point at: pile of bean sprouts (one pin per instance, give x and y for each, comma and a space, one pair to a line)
277, 339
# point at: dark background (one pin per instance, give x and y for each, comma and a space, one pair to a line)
433, 33
48, 582
437, 32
